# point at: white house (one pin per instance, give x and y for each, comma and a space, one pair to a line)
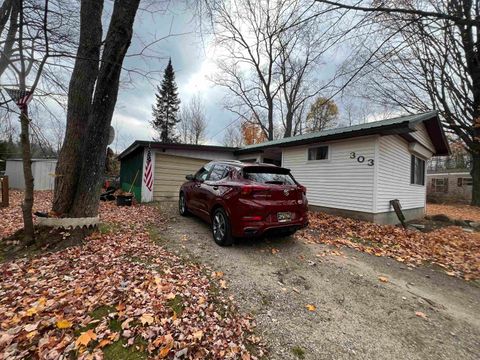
43, 171
352, 171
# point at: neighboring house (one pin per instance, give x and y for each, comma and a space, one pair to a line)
43, 171
352, 171
453, 186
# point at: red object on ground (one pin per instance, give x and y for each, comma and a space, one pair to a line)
245, 200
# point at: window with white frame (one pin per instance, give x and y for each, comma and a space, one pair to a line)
318, 153
417, 171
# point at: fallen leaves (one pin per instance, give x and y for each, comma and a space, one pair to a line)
64, 324
457, 251
460, 212
421, 314
383, 279
119, 286
147, 319
85, 338
311, 307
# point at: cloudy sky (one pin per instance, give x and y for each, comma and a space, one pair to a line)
175, 33
193, 60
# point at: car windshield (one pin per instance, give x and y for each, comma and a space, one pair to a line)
269, 176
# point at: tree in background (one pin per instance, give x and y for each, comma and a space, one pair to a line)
252, 133
322, 115
233, 137
165, 111
271, 52
424, 54
193, 123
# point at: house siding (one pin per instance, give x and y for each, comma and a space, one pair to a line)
393, 178
199, 154
421, 135
339, 182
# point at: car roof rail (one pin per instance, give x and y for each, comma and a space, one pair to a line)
229, 161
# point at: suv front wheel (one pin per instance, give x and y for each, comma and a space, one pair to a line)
182, 205
221, 228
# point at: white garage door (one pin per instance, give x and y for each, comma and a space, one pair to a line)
170, 172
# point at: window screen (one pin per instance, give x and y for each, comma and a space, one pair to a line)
318, 153
417, 171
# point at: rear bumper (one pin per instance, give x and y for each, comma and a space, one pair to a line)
259, 228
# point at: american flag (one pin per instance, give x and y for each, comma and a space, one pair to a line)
21, 97
148, 178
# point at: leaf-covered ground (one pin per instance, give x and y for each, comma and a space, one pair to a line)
454, 211
455, 250
119, 296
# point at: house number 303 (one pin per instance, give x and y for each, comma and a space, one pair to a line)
361, 159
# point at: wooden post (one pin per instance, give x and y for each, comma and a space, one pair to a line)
5, 197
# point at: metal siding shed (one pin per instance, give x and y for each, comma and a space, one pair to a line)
43, 171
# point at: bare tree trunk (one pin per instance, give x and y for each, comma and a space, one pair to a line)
80, 95
27, 204
117, 42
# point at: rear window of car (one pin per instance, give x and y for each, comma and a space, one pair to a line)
262, 175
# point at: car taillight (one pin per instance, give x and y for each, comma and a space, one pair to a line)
303, 189
251, 190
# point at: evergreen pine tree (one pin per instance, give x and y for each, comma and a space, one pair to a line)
166, 108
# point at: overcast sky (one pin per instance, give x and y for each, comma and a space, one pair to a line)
193, 61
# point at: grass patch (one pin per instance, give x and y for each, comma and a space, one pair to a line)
116, 351
155, 235
298, 352
102, 311
107, 228
176, 304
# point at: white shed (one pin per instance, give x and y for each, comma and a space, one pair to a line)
43, 173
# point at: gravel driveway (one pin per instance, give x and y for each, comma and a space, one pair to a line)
357, 315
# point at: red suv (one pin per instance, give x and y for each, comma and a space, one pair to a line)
244, 200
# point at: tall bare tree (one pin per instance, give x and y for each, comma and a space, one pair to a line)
193, 123
427, 55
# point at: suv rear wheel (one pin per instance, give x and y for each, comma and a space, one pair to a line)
221, 228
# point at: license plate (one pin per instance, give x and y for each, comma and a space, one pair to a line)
284, 216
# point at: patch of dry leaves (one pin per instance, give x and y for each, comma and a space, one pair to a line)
11, 217
154, 301
459, 212
457, 251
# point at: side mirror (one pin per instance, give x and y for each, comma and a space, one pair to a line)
189, 177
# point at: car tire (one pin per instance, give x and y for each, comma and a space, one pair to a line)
182, 205
221, 230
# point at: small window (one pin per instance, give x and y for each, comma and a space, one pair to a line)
202, 174
218, 173
440, 185
464, 182
417, 171
318, 153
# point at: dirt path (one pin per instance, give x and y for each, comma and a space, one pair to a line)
357, 316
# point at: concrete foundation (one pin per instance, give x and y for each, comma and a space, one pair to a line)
388, 217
